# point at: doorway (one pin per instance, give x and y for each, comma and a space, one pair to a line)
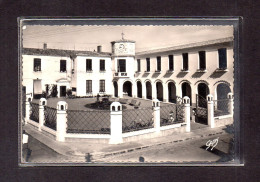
148, 90
115, 89
159, 91
186, 91
172, 92
127, 88
62, 91
139, 89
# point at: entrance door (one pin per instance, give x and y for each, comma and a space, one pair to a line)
62, 91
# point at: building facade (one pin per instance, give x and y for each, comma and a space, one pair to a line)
195, 69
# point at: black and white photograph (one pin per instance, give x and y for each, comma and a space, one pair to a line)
122, 92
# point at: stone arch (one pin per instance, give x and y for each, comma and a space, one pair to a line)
148, 86
181, 82
159, 90
221, 90
170, 80
171, 91
186, 90
127, 87
139, 88
203, 89
201, 81
158, 80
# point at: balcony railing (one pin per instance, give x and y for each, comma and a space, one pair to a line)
120, 74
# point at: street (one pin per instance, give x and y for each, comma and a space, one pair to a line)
186, 151
36, 152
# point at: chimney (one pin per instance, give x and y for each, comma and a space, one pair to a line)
99, 48
44, 46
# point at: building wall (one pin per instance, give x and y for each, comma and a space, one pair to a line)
211, 78
81, 75
50, 70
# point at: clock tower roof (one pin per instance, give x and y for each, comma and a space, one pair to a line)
123, 41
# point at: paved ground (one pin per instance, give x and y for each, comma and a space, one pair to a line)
176, 147
37, 152
187, 151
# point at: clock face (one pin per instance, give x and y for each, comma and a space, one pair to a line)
121, 47
124, 49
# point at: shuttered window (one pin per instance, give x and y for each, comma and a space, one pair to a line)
88, 86
171, 63
89, 64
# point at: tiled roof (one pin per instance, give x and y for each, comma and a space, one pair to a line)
63, 53
186, 46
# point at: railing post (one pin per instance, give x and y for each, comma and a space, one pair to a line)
27, 107
61, 122
231, 103
210, 108
156, 115
186, 102
116, 123
42, 103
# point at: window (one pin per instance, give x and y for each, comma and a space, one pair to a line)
158, 63
121, 65
37, 64
89, 65
185, 63
88, 86
102, 65
222, 55
63, 66
147, 64
202, 60
138, 65
73, 89
102, 86
171, 63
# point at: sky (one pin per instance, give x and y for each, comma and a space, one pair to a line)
147, 37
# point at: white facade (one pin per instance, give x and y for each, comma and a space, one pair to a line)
122, 76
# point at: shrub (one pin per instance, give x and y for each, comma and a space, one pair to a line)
54, 91
44, 95
69, 92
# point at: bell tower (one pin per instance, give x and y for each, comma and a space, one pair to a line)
123, 58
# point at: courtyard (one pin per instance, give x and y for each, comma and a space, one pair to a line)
137, 114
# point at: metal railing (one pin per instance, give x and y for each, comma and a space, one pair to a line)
120, 74
34, 114
221, 107
50, 116
171, 114
137, 119
88, 122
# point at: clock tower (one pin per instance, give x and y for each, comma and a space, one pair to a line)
123, 60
